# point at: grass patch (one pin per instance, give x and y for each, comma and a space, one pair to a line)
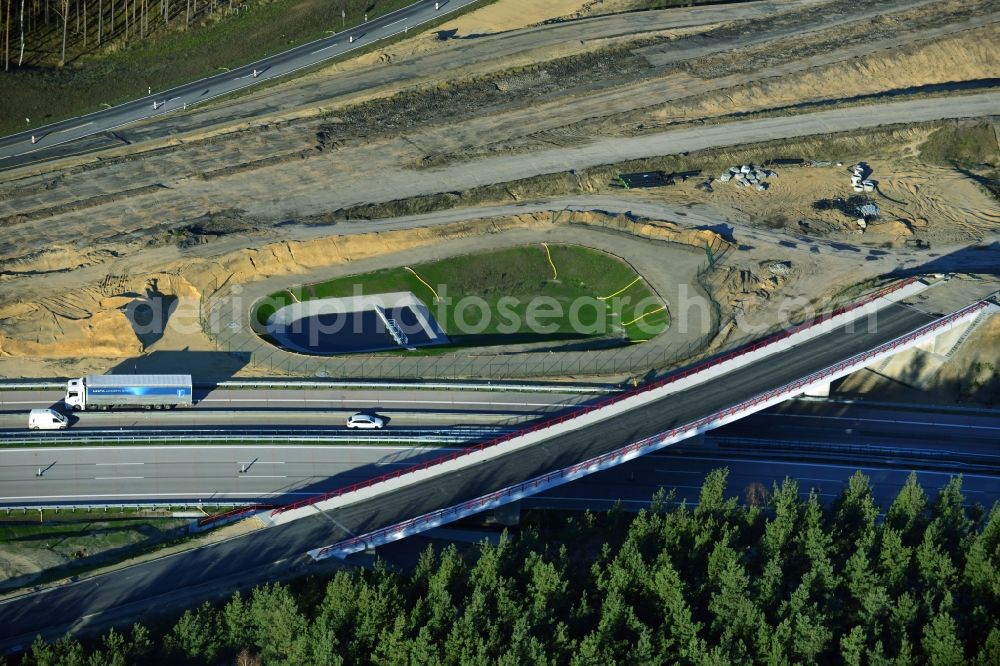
68, 547
963, 144
512, 295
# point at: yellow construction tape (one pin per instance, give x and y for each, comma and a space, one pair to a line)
604, 298
659, 309
417, 275
555, 273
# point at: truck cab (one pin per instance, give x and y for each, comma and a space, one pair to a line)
75, 396
47, 419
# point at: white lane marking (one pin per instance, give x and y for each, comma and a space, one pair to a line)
394, 23
201, 496
260, 476
26, 402
267, 447
263, 462
323, 49
860, 420
73, 129
379, 402
118, 463
116, 478
743, 461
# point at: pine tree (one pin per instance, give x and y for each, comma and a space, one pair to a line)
940, 644
196, 635
895, 559
989, 653
279, 627
934, 564
736, 620
237, 623
953, 522
679, 631
63, 652
907, 513
853, 646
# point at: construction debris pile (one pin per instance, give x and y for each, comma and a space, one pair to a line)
859, 178
868, 212
748, 175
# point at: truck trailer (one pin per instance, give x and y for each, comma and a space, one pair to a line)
137, 391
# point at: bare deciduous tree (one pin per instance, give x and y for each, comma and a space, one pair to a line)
65, 16
6, 46
20, 58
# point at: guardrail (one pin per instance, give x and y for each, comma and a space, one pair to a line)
548, 423
442, 515
192, 437
232, 514
434, 386
136, 506
754, 445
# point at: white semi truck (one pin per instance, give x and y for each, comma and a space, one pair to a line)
137, 391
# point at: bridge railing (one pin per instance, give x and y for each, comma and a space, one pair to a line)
441, 515
235, 512
601, 404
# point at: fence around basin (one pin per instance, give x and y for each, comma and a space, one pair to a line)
227, 324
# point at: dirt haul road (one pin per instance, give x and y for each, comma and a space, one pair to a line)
352, 177
538, 108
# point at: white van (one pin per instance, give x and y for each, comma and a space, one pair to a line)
47, 419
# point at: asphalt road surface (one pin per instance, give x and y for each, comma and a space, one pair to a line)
166, 101
258, 554
92, 475
818, 442
814, 432
232, 407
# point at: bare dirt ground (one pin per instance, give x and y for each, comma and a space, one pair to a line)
260, 186
970, 374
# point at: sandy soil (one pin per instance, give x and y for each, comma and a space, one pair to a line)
936, 205
971, 375
98, 321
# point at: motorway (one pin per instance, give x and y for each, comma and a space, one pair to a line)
312, 407
84, 474
198, 92
818, 433
817, 442
256, 554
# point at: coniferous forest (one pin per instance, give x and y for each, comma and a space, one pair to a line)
783, 579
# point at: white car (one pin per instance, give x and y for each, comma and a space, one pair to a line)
365, 421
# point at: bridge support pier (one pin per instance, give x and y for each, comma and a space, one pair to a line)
508, 514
